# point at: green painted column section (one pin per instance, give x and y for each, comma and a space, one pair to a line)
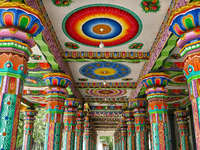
123, 127
130, 129
70, 116
56, 94
28, 128
15, 49
87, 130
140, 110
183, 128
158, 108
79, 130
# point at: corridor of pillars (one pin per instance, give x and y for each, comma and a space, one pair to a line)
136, 123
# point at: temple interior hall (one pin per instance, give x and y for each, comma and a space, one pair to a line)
99, 74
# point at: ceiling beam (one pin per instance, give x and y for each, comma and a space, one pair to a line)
100, 85
131, 57
108, 100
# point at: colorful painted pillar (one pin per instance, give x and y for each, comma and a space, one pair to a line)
157, 107
184, 22
87, 132
16, 31
115, 139
119, 137
183, 128
79, 130
95, 146
149, 132
91, 137
140, 110
130, 129
28, 128
70, 115
123, 127
56, 95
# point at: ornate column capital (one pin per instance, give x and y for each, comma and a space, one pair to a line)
57, 83
182, 116
18, 23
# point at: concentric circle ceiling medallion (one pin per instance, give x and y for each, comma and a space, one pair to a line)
106, 92
112, 24
105, 70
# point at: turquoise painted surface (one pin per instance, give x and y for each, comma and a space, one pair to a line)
86, 142
46, 136
166, 136
129, 141
155, 136
183, 143
198, 104
57, 136
67, 137
75, 143
7, 119
81, 143
138, 142
64, 141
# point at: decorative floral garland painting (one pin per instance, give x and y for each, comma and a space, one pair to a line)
36, 57
136, 46
71, 45
149, 6
62, 3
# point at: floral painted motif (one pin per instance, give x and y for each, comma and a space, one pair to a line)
136, 46
36, 57
71, 45
149, 6
175, 56
82, 79
62, 3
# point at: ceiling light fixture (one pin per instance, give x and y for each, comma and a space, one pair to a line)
101, 45
105, 99
104, 83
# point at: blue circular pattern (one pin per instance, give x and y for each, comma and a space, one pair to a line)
116, 28
88, 70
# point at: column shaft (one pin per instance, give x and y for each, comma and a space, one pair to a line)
79, 130
69, 128
123, 127
158, 109
15, 49
182, 24
130, 130
183, 128
87, 133
28, 128
53, 133
56, 94
139, 108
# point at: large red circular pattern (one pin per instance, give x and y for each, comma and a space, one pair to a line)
130, 22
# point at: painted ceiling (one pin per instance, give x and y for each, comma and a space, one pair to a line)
136, 40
